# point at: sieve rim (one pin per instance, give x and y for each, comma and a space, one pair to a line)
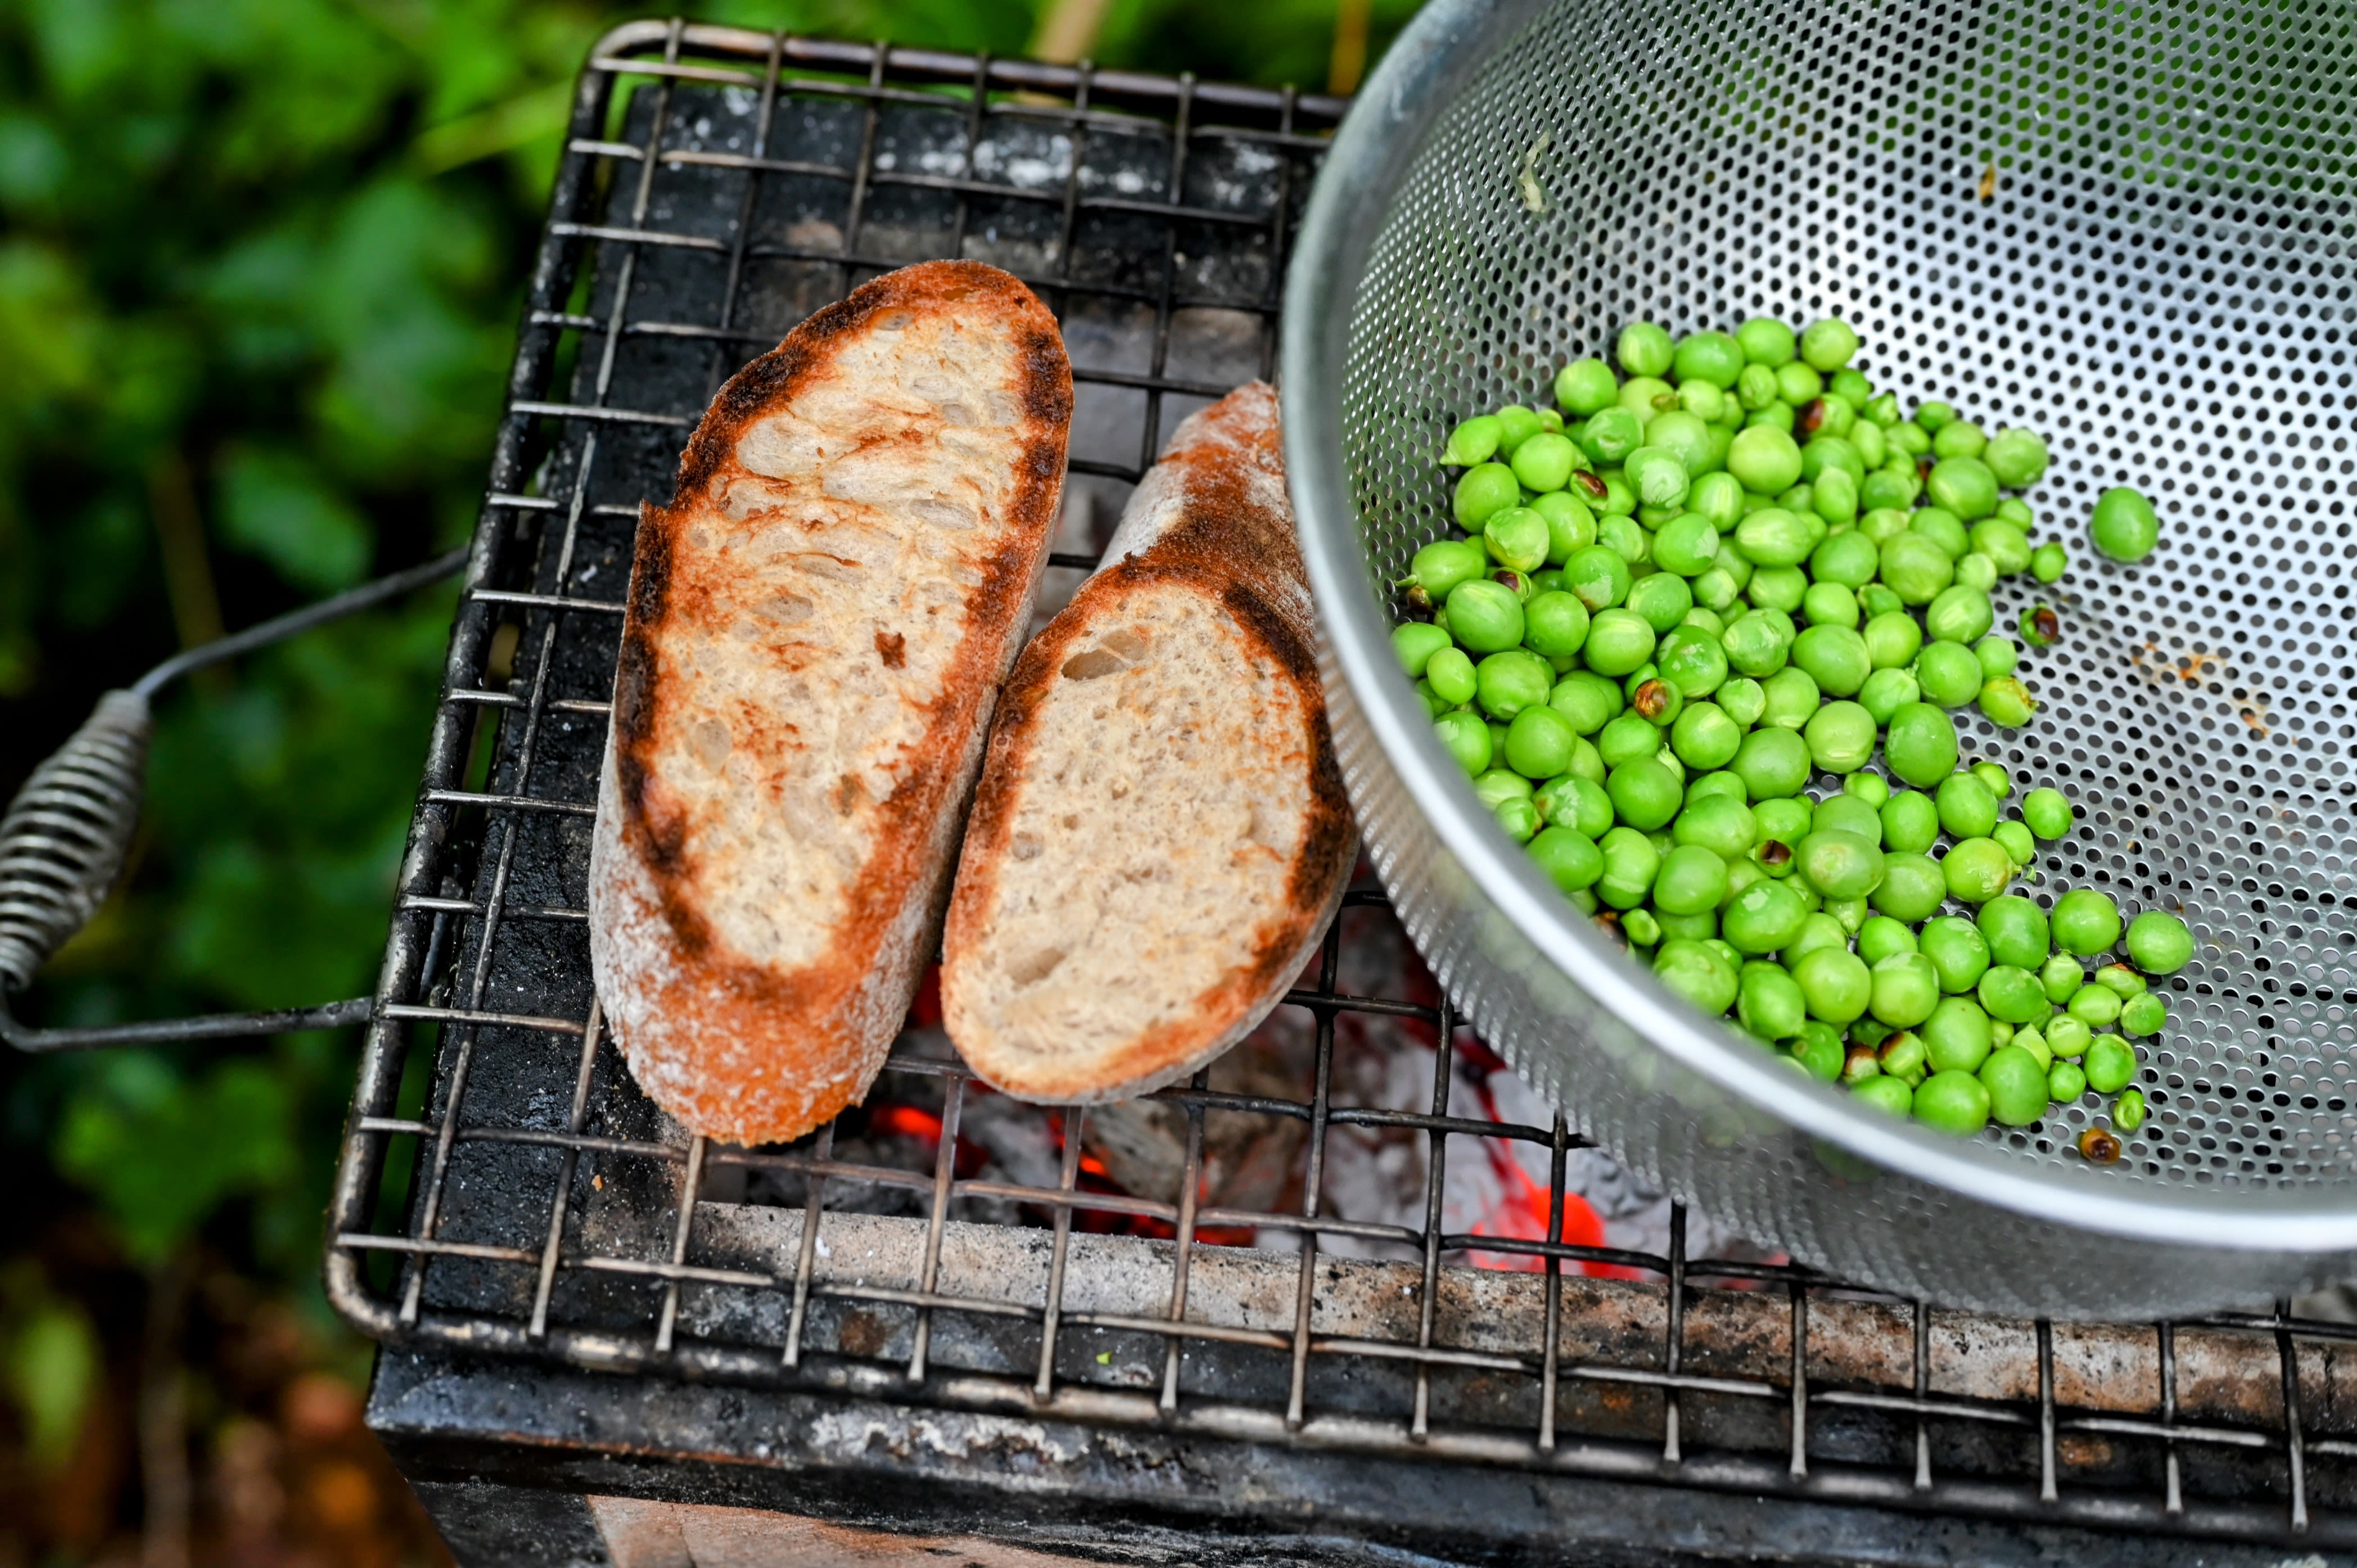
1373, 152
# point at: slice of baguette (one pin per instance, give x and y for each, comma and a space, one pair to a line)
817, 628
1160, 835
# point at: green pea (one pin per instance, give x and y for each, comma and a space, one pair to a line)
1998, 657
1517, 424
1416, 642
1645, 794
1906, 990
1967, 809
2016, 1086
1539, 742
1598, 575
1960, 614
1888, 1095
1958, 438
1799, 384
1609, 435
1840, 737
1452, 677
2065, 1081
1507, 683
1661, 480
1948, 675
1873, 789
2048, 561
1586, 699
1698, 973
1827, 453
1686, 435
2067, 1036
2120, 980
1957, 1036
1921, 747
2127, 1111
1828, 345
1544, 461
2005, 544
1573, 801
1834, 656
2012, 995
1642, 928
1626, 538
1568, 856
2017, 458
1466, 739
1876, 600
1779, 588
1892, 638
1762, 916
1910, 824
1630, 862
1849, 560
1755, 646
1687, 927
1692, 661
1500, 784
1518, 818
1942, 528
1769, 1003
1587, 763
1957, 952
1719, 497
1692, 880
1474, 441
1839, 864
1555, 624
1963, 486
2097, 1007
1585, 386
1619, 498
1818, 930
2086, 921
1483, 491
1771, 763
1835, 982
2016, 841
1619, 640
1847, 814
1785, 819
1953, 1103
2125, 526
1571, 526
1873, 446
1717, 821
1705, 737
1836, 496
1774, 537
1764, 459
1644, 348
2062, 977
2016, 510
1915, 567
2047, 812
2160, 943
1882, 936
1767, 342
1439, 567
2142, 1013
1830, 605
1913, 887
1886, 691
2110, 1065
2007, 702
1686, 545
1485, 617
1818, 1053
1630, 737
1976, 870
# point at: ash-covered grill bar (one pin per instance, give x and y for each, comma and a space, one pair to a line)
1236, 1354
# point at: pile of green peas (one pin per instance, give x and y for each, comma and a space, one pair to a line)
1689, 590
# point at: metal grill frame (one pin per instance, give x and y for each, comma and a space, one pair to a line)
428, 923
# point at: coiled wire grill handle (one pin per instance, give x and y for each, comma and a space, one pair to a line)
63, 840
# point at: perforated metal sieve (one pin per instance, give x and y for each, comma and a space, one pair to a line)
2127, 229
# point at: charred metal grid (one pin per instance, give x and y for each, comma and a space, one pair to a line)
506, 1190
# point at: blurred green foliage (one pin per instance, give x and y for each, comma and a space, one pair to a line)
260, 264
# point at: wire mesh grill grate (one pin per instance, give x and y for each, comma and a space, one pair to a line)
506, 1189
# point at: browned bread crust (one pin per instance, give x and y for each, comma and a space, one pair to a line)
1205, 553
816, 628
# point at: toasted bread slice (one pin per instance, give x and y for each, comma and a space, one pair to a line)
818, 625
1160, 835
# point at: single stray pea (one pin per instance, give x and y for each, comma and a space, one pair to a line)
2048, 561
2086, 921
2127, 1111
2160, 943
2124, 527
2047, 812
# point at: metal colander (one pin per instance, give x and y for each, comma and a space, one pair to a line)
2128, 229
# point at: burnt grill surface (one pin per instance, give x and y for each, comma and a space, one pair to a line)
506, 1191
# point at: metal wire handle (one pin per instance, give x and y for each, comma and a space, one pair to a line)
63, 840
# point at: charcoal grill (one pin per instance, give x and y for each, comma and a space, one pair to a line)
606, 1341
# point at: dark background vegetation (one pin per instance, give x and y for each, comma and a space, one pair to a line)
260, 266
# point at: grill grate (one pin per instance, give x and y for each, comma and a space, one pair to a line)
505, 1190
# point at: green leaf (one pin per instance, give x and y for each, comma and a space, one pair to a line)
274, 505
